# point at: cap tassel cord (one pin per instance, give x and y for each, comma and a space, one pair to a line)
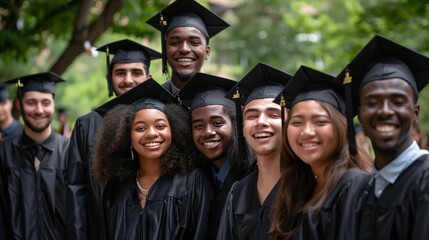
349, 113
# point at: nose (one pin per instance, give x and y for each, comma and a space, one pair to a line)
39, 108
151, 133
261, 120
185, 47
308, 130
385, 109
208, 132
128, 77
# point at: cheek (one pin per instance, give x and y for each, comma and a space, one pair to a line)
292, 135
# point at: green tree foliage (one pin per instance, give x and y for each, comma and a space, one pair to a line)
325, 34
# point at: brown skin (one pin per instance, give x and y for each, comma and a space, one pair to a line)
387, 113
186, 51
212, 132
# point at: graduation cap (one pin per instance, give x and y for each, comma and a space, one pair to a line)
126, 51
40, 82
205, 89
383, 59
263, 81
147, 95
4, 93
310, 84
186, 13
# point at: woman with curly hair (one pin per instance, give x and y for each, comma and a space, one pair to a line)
144, 153
320, 178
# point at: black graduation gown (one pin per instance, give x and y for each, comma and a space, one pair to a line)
177, 207
84, 209
243, 216
34, 201
336, 218
402, 210
218, 204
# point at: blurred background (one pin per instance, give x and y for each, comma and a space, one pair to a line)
60, 36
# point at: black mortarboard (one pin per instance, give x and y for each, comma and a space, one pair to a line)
126, 51
40, 82
308, 83
4, 93
263, 81
205, 89
382, 59
186, 13
148, 94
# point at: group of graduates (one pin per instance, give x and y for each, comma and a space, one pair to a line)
272, 156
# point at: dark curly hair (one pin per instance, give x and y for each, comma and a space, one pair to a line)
112, 158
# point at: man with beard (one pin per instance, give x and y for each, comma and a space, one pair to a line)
9, 126
385, 79
186, 27
128, 68
214, 132
33, 166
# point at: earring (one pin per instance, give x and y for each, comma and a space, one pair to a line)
132, 153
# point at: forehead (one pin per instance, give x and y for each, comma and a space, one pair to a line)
311, 107
37, 95
262, 105
148, 115
209, 111
395, 86
132, 65
185, 32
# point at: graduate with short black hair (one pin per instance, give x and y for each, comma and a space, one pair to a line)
33, 166
386, 78
186, 28
214, 132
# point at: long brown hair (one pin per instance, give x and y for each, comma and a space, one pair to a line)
295, 194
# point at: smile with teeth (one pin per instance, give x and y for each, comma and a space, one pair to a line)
211, 143
385, 127
152, 144
309, 144
262, 135
185, 60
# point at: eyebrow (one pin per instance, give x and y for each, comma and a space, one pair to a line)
211, 118
156, 121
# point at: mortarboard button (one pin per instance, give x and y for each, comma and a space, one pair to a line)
205, 89
186, 13
40, 82
263, 81
308, 83
126, 51
148, 94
